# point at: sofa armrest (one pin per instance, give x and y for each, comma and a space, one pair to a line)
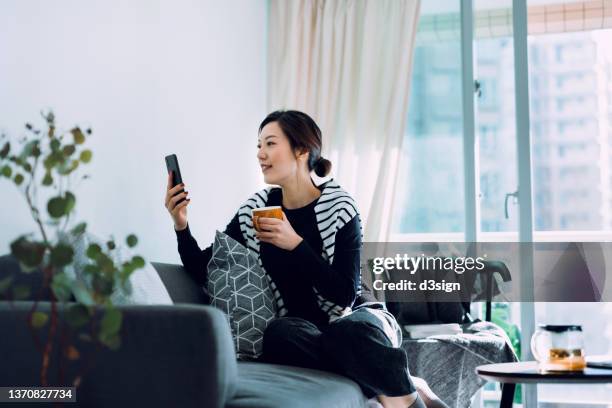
180, 285
179, 355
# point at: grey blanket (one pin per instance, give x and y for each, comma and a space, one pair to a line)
448, 362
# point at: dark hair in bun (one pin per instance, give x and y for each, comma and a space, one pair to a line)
323, 167
303, 134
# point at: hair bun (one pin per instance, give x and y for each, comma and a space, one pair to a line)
323, 167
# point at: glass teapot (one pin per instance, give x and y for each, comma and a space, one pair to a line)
559, 348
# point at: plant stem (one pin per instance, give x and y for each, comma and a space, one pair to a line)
47, 273
47, 353
33, 209
66, 222
87, 364
62, 347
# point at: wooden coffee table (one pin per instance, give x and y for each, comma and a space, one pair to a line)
510, 374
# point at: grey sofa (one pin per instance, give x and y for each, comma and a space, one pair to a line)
170, 356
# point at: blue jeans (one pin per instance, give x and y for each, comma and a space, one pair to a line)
354, 346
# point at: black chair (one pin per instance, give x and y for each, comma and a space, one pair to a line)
454, 312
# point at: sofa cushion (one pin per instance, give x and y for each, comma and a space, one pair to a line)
144, 286
240, 287
180, 285
277, 386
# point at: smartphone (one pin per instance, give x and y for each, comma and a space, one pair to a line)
173, 166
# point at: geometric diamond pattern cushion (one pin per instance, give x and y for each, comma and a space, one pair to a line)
239, 287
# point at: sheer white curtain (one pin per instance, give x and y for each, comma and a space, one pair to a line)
347, 63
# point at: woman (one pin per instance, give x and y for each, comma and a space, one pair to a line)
313, 257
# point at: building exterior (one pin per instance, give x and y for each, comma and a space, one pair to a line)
571, 132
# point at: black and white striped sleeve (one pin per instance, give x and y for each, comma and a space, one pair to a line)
339, 281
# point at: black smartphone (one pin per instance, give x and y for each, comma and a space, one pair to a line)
173, 166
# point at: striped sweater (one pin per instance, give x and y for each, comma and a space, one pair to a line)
334, 209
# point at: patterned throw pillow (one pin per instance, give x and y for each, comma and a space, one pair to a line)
144, 286
240, 287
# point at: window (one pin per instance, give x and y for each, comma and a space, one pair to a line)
573, 197
433, 143
496, 131
489, 94
559, 53
570, 90
578, 157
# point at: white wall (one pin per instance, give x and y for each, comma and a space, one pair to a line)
150, 78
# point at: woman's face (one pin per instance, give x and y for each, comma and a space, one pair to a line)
276, 158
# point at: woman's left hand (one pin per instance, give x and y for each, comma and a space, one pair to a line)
278, 232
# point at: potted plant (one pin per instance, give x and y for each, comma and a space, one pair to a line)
48, 162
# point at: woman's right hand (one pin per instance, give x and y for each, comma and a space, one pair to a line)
177, 212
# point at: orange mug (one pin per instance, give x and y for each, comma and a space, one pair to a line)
267, 212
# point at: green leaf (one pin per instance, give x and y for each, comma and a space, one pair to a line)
127, 270
5, 283
138, 262
49, 162
62, 255
102, 285
47, 180
77, 315
69, 201
18, 179
111, 245
6, 171
21, 292
91, 269
93, 250
82, 294
56, 207
30, 149
28, 253
61, 287
77, 134
111, 322
86, 156
131, 240
68, 150
27, 167
5, 150
79, 228
60, 206
39, 319
36, 150
112, 342
54, 144
27, 269
66, 168
50, 118
105, 263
